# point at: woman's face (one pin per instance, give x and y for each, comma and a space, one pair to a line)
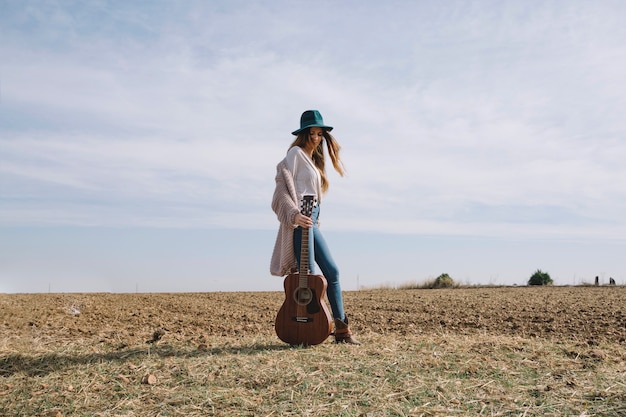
316, 135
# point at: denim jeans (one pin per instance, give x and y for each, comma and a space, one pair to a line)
320, 252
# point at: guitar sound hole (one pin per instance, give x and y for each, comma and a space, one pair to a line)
307, 297
303, 296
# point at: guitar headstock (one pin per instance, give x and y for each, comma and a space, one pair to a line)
307, 204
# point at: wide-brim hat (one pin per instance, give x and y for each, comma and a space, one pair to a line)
311, 118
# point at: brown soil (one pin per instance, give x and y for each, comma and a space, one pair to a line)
586, 314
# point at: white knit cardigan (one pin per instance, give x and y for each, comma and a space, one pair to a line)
285, 205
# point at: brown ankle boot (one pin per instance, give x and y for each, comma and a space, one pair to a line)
343, 334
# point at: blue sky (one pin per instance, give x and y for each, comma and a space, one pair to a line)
138, 140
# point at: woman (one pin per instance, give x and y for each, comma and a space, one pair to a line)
302, 172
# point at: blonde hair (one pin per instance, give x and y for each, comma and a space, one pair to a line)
318, 154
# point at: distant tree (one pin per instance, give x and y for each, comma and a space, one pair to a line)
443, 281
540, 278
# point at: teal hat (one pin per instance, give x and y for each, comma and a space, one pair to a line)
311, 118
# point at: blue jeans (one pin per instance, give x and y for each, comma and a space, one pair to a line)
320, 252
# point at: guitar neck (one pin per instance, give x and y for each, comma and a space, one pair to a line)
304, 259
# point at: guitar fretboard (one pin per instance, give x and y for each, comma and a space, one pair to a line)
304, 259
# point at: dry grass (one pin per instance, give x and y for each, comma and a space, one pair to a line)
60, 365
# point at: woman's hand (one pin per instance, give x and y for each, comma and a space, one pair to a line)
303, 221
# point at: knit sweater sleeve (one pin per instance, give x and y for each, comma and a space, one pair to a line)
285, 205
284, 201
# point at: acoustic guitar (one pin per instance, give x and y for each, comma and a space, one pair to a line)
304, 317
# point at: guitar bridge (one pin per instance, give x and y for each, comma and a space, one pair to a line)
302, 319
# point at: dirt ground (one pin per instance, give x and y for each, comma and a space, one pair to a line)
586, 314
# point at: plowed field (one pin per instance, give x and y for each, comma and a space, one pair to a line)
586, 314
553, 351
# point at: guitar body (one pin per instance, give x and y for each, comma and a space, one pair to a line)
304, 317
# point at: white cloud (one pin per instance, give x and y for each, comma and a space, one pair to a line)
444, 113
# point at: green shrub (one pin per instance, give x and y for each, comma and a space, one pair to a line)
540, 278
443, 281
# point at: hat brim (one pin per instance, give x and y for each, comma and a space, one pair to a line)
328, 128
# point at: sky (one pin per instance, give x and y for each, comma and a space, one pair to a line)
139, 140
